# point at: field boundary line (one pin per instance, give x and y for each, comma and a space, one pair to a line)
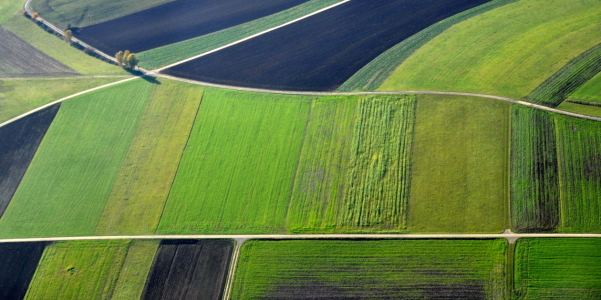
65, 77
229, 281
248, 37
367, 236
63, 99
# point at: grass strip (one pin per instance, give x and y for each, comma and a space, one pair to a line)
581, 108
568, 79
166, 55
135, 270
370, 77
139, 194
459, 165
535, 204
384, 269
238, 168
71, 176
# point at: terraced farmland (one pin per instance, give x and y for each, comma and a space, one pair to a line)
507, 51
385, 269
558, 268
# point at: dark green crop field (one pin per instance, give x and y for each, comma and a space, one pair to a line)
330, 269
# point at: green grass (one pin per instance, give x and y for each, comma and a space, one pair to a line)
568, 79
140, 192
9, 8
81, 13
370, 77
71, 176
579, 108
459, 165
79, 270
589, 92
237, 170
58, 49
20, 96
579, 154
507, 51
354, 168
163, 56
135, 270
558, 268
385, 269
534, 171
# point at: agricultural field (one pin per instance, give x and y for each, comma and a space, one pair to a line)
18, 96
168, 54
92, 270
176, 21
364, 269
304, 56
589, 92
139, 194
19, 59
18, 264
459, 165
579, 157
20, 140
353, 171
239, 164
508, 51
557, 268
189, 269
79, 158
534, 171
580, 108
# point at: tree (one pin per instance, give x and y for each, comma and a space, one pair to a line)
132, 61
35, 16
68, 36
119, 58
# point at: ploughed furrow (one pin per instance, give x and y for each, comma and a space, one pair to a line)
579, 154
189, 269
534, 171
18, 262
19, 142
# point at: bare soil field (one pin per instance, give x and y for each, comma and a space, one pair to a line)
175, 22
321, 52
18, 143
19, 59
18, 262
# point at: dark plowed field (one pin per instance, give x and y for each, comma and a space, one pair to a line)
175, 22
321, 52
189, 270
18, 143
18, 262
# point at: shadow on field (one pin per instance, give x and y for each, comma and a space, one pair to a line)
140, 74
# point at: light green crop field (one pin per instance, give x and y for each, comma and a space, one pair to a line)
79, 270
578, 108
353, 174
589, 92
71, 176
163, 56
141, 189
386, 269
579, 156
58, 49
135, 270
237, 171
459, 165
80, 13
9, 8
535, 200
507, 51
557, 268
20, 96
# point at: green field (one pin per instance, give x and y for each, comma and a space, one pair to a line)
535, 197
580, 108
58, 49
590, 91
386, 269
507, 51
558, 268
353, 173
92, 270
163, 56
579, 156
70, 178
80, 13
459, 165
372, 75
237, 170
